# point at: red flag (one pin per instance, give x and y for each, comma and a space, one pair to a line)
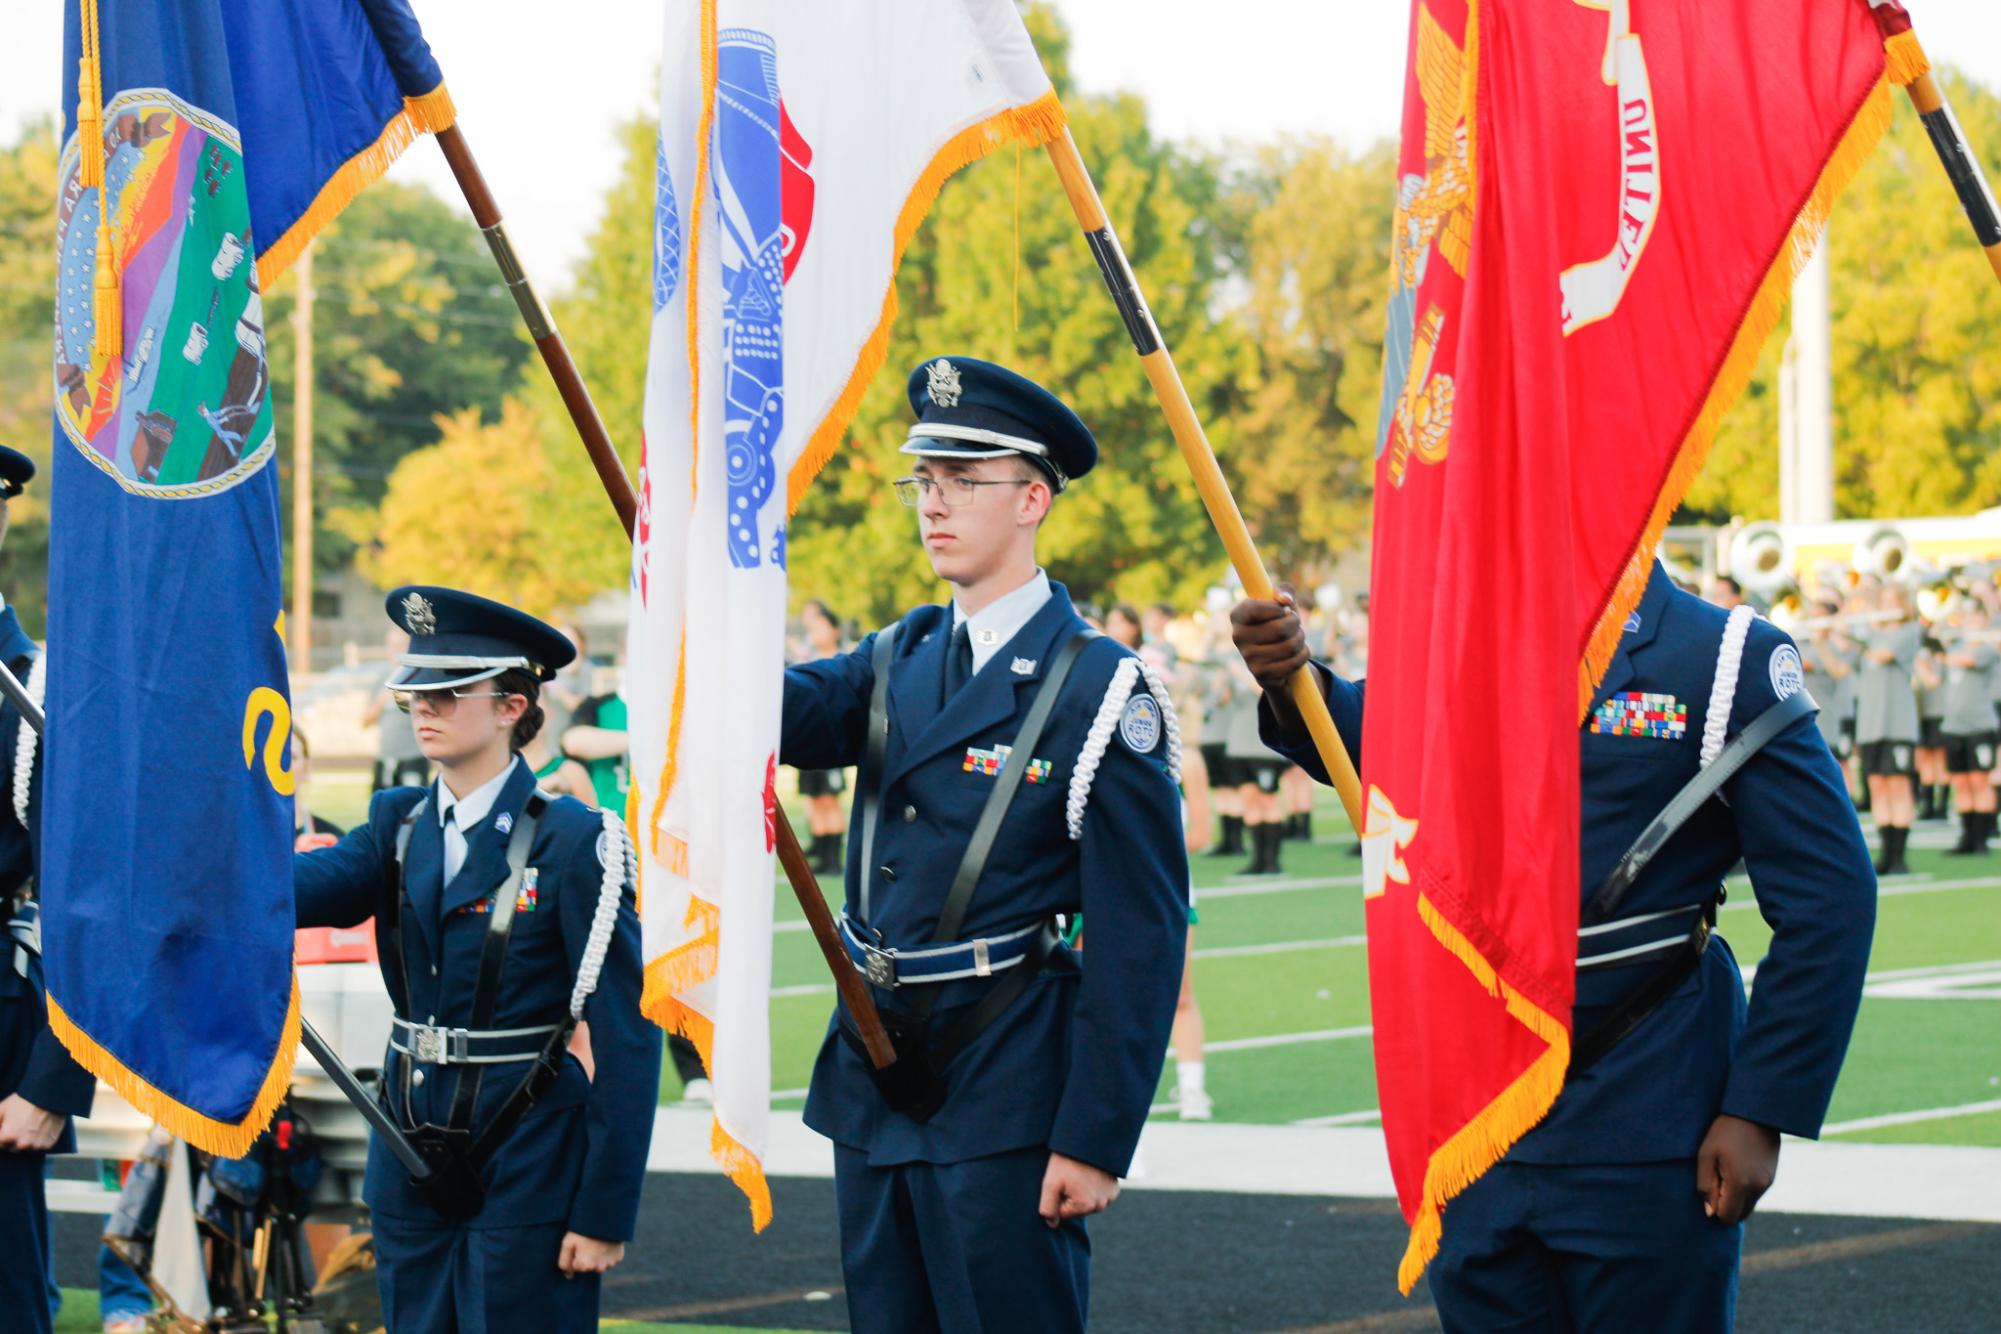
1601, 208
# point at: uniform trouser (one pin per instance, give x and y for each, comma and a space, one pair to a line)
24, 1252
957, 1247
1532, 1247
494, 1280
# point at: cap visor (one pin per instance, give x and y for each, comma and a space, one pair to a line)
438, 678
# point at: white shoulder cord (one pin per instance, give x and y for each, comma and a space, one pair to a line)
1724, 692
618, 869
1086, 772
25, 742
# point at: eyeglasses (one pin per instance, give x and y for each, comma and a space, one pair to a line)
442, 702
957, 490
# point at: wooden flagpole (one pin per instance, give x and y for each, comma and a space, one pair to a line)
1962, 167
1195, 450
618, 487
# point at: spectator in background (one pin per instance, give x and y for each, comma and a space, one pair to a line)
558, 773
1724, 591
398, 762
563, 696
1886, 724
1154, 621
1933, 780
822, 788
1259, 771
312, 832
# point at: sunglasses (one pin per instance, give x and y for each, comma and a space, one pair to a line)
443, 702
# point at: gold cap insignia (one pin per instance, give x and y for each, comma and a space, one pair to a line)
942, 381
418, 615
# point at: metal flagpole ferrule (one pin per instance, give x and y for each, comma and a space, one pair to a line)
1962, 166
533, 313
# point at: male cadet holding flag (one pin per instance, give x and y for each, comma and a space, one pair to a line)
503, 916
41, 1088
1624, 1207
1016, 769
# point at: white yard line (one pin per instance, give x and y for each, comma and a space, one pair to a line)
1278, 947
1912, 1118
1368, 1117
1288, 1039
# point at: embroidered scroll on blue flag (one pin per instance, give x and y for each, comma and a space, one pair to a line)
208, 140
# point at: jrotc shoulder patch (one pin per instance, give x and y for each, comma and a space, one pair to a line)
1139, 725
1788, 674
1640, 713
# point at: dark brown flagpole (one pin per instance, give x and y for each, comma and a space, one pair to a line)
618, 487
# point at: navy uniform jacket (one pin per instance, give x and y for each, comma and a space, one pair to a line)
1074, 1063
32, 1062
578, 1156
1787, 814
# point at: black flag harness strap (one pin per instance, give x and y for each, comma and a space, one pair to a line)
1681, 951
456, 1157
915, 1084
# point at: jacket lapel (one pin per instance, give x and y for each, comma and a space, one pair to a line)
486, 847
424, 876
991, 697
916, 677
1642, 626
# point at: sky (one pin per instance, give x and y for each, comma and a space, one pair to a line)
540, 87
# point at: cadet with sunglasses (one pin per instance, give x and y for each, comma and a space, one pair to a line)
504, 916
1016, 770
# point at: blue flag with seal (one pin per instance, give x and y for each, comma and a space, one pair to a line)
207, 142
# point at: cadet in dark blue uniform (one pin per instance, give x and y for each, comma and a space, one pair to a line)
1623, 1209
41, 1088
503, 916
1025, 1074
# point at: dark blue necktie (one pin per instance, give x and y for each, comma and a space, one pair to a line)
958, 661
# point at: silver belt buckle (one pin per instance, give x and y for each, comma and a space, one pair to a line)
427, 1043
879, 966
982, 963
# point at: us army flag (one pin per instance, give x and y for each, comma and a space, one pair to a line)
800, 146
1601, 206
210, 140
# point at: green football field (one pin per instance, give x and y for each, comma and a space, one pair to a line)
1281, 975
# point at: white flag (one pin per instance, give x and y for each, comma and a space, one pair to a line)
800, 147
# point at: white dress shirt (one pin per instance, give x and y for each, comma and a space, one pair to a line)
992, 626
456, 815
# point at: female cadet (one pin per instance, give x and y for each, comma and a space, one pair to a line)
1886, 723
503, 917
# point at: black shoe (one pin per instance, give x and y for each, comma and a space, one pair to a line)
1256, 865
1306, 826
1232, 841
837, 857
1969, 835
1982, 831
1928, 804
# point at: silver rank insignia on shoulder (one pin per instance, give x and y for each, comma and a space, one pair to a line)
1022, 666
941, 379
418, 615
504, 822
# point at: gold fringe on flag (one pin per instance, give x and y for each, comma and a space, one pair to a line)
1033, 124
229, 1139
1905, 62
428, 114
1761, 316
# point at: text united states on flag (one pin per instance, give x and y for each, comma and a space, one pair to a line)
1600, 209
800, 146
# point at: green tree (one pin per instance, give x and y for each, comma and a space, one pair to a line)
1317, 254
410, 323
1917, 389
1134, 528
27, 288
452, 515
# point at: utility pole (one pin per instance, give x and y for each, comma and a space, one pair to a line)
1806, 401
301, 647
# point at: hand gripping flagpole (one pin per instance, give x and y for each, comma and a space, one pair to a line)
329, 1060
1195, 450
618, 487
1961, 165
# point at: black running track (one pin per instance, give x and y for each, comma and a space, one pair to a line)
1196, 1261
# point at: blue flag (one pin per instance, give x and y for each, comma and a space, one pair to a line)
230, 131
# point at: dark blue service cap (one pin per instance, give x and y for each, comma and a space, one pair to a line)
458, 638
16, 471
972, 409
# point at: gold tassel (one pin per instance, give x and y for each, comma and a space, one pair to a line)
107, 304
